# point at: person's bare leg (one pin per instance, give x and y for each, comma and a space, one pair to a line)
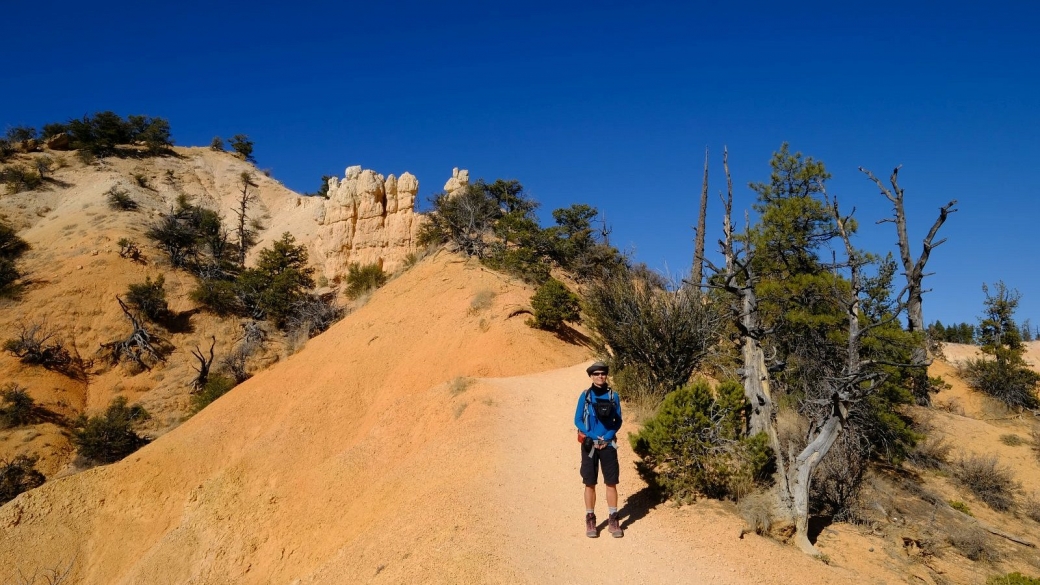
590, 497
611, 496
613, 522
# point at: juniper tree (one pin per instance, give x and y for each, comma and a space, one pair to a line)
1004, 373
827, 325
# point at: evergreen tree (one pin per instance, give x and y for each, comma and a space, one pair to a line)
1004, 374
278, 282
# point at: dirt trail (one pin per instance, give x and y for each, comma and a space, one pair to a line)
536, 498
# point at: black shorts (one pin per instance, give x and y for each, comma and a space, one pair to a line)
605, 458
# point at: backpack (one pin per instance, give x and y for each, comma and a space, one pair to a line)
606, 411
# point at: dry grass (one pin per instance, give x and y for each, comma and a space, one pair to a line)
460, 408
987, 479
481, 301
757, 511
1031, 507
1012, 440
459, 385
933, 452
974, 544
950, 405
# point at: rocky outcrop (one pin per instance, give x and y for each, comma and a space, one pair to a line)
367, 219
457, 183
59, 141
371, 219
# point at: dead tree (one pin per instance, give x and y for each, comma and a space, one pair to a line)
204, 364
246, 235
698, 247
140, 344
252, 340
914, 272
739, 279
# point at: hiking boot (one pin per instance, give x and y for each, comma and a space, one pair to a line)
590, 526
614, 527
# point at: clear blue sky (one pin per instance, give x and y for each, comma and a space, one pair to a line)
607, 103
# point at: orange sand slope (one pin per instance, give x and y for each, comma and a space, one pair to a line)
364, 458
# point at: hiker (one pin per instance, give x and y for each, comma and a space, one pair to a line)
598, 418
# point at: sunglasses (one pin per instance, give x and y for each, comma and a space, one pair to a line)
599, 373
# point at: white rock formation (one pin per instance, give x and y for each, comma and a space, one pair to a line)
367, 219
457, 182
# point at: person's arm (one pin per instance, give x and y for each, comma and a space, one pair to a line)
579, 415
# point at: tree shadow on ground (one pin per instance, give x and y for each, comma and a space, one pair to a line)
574, 337
639, 504
816, 526
57, 182
180, 322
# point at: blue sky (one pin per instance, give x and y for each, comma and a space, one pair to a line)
607, 103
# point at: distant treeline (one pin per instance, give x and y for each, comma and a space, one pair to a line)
968, 333
101, 133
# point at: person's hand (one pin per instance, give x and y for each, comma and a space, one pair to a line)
601, 444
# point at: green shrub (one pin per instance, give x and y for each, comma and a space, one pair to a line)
1015, 578
19, 178
11, 248
150, 298
17, 408
580, 248
217, 144
53, 129
278, 282
961, 507
323, 190
527, 264
554, 305
18, 475
101, 133
129, 249
1011, 382
695, 444
109, 437
241, 144
21, 133
363, 279
215, 387
119, 199
1003, 373
217, 296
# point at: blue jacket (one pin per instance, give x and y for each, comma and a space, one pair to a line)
585, 415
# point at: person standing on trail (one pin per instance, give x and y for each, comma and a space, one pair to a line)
598, 418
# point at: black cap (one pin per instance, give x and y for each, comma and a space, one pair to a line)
597, 367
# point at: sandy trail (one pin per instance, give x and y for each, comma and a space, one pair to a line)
537, 501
